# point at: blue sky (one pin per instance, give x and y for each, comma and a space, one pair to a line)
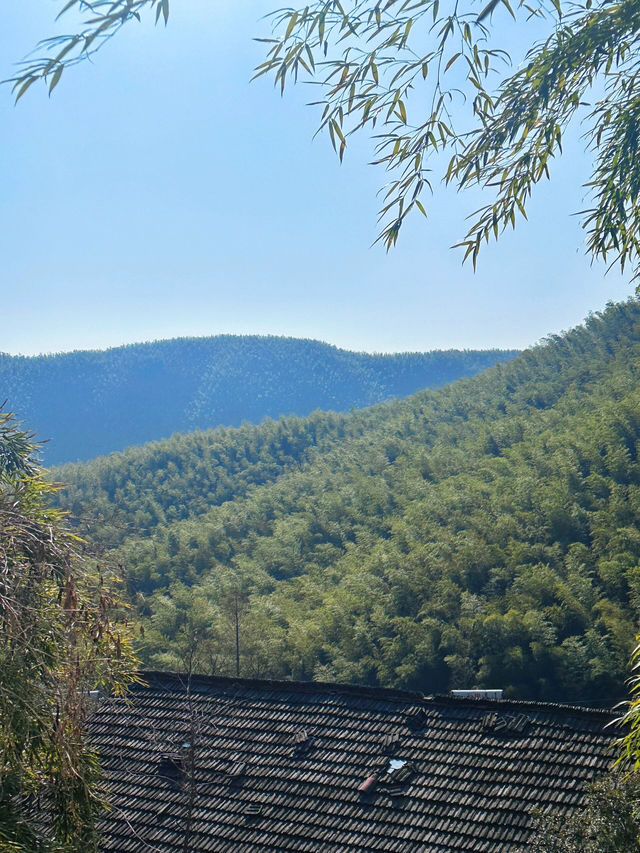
160, 193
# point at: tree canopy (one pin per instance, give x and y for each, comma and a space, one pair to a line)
58, 640
77, 400
433, 84
608, 823
484, 533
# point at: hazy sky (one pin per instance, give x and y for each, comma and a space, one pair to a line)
160, 193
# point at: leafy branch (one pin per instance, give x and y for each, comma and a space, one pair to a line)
379, 63
375, 72
425, 79
100, 21
61, 635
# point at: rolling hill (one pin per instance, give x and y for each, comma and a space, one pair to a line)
485, 533
88, 403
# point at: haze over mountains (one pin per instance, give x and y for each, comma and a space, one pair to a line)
485, 533
87, 403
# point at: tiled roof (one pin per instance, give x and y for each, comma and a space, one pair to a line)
285, 766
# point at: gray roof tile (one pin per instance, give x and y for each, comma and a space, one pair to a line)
278, 766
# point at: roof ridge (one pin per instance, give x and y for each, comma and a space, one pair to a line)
380, 693
266, 684
525, 704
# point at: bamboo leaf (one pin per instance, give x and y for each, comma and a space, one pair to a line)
23, 88
293, 20
56, 78
452, 60
488, 10
66, 8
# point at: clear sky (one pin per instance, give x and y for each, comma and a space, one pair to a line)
159, 193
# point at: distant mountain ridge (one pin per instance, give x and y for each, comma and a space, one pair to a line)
92, 402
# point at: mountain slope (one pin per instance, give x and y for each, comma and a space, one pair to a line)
484, 533
94, 402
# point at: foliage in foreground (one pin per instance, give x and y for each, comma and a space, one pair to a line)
630, 718
430, 80
608, 823
58, 641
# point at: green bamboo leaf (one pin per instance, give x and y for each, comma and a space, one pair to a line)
23, 88
521, 207
310, 56
509, 9
338, 131
452, 60
488, 10
293, 20
56, 78
66, 8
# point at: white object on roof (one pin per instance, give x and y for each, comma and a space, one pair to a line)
477, 694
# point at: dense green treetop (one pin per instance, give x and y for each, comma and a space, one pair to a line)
94, 402
482, 533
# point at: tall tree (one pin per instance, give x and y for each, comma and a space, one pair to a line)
58, 641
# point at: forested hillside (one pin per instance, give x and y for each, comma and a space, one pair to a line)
95, 402
484, 533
